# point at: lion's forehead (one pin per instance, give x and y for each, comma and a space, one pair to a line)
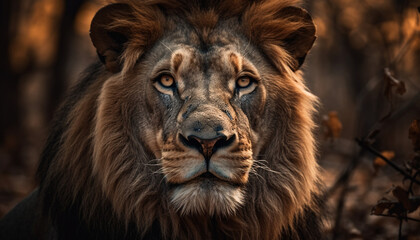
214, 59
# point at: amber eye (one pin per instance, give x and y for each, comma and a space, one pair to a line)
243, 82
166, 81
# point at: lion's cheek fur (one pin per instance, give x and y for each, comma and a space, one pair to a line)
291, 147
119, 154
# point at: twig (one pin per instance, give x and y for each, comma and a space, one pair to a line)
344, 176
392, 216
339, 210
393, 165
344, 179
405, 47
400, 230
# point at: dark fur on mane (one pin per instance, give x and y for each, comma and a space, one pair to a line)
259, 18
78, 205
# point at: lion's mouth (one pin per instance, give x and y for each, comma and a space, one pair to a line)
208, 176
208, 179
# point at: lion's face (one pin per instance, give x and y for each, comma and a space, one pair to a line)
206, 143
200, 113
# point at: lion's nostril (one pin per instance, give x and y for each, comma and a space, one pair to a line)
207, 146
190, 142
223, 142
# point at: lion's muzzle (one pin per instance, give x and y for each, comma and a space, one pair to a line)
206, 129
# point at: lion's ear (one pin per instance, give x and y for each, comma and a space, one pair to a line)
299, 42
109, 38
280, 30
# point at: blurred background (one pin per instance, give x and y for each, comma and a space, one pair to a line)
364, 67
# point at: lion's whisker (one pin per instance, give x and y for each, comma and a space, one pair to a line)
167, 47
152, 164
259, 177
261, 164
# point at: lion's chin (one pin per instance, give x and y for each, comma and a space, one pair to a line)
206, 197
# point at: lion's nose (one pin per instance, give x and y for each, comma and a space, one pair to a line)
207, 146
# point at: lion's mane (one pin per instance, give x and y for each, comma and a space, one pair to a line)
97, 173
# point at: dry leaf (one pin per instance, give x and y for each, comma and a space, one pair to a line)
414, 134
379, 162
388, 207
381, 206
392, 83
410, 204
332, 125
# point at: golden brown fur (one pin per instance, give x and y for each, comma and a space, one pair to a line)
113, 155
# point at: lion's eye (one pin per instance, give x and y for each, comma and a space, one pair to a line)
243, 82
245, 85
166, 81
165, 84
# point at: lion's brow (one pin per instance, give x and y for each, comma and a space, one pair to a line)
176, 61
234, 59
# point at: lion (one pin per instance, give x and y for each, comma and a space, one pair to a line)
194, 124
